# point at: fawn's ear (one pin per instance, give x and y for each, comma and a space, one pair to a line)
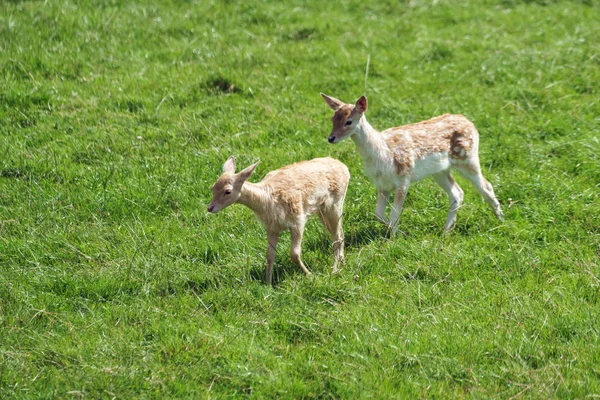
332, 102
361, 104
245, 173
229, 166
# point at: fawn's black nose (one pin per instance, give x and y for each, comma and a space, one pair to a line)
211, 207
331, 139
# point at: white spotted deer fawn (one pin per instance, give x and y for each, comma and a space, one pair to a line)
285, 199
398, 156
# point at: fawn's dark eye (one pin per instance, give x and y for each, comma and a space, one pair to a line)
227, 192
349, 122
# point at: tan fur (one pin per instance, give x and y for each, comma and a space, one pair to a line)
452, 134
286, 197
395, 157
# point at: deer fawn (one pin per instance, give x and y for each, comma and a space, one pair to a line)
285, 199
398, 156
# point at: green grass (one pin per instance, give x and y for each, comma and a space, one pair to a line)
116, 117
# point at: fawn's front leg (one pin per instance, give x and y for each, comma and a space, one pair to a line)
398, 205
382, 200
272, 238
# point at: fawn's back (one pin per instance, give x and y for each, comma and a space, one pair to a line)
306, 186
445, 140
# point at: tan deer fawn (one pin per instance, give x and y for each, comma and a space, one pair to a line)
285, 199
398, 156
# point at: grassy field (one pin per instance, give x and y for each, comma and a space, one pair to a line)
116, 117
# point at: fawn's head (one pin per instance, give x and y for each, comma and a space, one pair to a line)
346, 117
228, 188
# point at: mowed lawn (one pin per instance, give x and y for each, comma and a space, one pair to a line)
116, 117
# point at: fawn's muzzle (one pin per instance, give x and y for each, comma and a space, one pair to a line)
211, 207
331, 139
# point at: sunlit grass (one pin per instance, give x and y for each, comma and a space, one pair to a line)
116, 117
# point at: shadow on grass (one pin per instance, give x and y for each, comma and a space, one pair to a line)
195, 286
283, 269
365, 235
360, 237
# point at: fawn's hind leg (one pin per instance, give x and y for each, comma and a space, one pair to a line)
455, 193
332, 219
473, 173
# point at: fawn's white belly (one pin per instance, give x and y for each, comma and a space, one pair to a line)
429, 165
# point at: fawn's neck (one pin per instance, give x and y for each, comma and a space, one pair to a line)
254, 197
369, 142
